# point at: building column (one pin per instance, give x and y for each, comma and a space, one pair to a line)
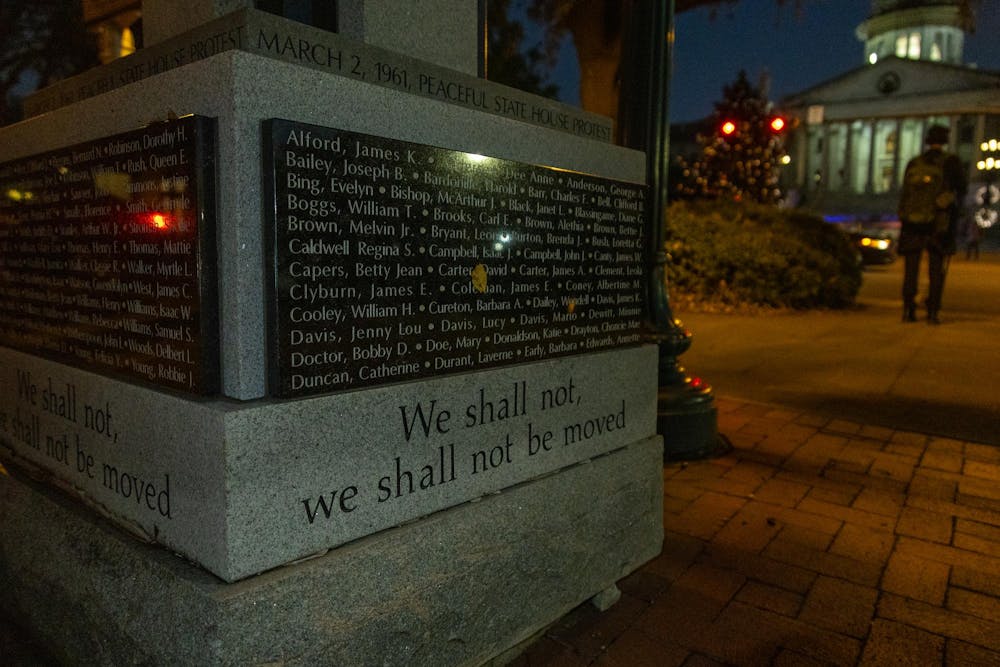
801, 159
847, 183
978, 139
873, 130
825, 162
895, 156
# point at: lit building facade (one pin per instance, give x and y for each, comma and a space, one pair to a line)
854, 134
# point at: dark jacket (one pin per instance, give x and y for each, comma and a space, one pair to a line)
915, 237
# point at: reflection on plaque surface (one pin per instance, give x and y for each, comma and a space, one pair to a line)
107, 255
394, 261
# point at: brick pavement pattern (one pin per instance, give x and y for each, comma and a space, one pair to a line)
816, 541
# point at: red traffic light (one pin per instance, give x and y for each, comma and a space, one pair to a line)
728, 127
777, 124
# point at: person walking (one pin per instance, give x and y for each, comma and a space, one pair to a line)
934, 185
972, 239
975, 234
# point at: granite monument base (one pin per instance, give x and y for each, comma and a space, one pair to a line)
455, 588
244, 487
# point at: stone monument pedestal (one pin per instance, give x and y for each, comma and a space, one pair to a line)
456, 588
481, 455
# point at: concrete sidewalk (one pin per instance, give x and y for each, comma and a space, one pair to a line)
816, 541
864, 364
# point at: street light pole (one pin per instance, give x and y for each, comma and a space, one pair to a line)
686, 412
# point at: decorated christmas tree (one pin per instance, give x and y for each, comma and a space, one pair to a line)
741, 149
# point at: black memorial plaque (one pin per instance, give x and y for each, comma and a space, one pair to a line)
107, 255
394, 261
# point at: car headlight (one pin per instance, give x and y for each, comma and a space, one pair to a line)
878, 244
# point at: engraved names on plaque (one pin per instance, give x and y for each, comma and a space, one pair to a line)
394, 261
107, 255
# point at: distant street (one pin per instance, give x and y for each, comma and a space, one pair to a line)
973, 287
865, 365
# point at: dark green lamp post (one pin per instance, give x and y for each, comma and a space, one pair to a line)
686, 412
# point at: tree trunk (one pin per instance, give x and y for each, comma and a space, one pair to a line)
596, 26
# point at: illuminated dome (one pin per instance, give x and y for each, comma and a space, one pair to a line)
915, 29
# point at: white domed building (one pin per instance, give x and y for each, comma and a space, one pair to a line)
855, 133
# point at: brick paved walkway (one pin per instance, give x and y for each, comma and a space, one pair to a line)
816, 541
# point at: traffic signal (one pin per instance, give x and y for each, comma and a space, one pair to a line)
777, 124
728, 128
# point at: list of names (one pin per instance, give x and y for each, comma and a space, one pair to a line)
394, 261
103, 249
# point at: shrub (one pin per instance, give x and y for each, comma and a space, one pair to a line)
748, 254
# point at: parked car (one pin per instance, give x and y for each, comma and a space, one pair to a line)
874, 247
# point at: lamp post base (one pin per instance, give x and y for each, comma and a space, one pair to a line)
689, 426
686, 415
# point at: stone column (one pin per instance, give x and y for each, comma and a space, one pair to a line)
162, 19
443, 32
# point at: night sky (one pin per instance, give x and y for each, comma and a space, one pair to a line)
798, 50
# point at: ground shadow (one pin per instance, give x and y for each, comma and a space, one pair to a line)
933, 417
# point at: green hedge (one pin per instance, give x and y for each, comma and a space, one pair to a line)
747, 254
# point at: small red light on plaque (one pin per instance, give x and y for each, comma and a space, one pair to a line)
158, 221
